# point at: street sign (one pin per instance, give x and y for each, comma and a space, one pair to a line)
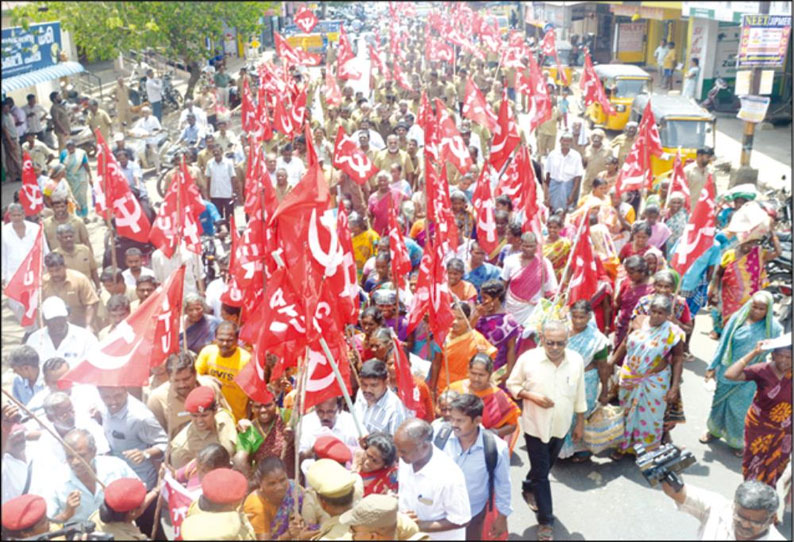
29, 50
764, 40
753, 108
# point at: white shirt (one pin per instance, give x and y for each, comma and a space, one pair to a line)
48, 451
660, 53
220, 175
131, 281
201, 117
385, 415
14, 474
85, 399
416, 132
563, 384
715, 514
74, 348
295, 170
375, 139
164, 267
564, 168
213, 293
108, 469
147, 126
344, 429
34, 120
15, 249
154, 90
436, 492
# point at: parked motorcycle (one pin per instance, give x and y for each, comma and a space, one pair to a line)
81, 133
208, 257
171, 97
710, 102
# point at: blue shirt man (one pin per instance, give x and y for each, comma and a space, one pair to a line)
480, 271
24, 361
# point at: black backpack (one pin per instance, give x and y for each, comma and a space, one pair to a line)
489, 449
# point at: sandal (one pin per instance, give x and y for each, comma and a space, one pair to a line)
738, 453
616, 455
545, 532
706, 438
580, 458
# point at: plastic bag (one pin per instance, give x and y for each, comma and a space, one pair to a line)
750, 222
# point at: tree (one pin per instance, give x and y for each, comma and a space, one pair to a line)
177, 29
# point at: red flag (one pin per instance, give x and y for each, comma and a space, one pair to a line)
298, 111
540, 101
649, 140
344, 62
452, 146
282, 120
285, 51
261, 130
584, 273
30, 196
527, 198
439, 51
398, 252
321, 383
333, 96
351, 159
441, 315
406, 390
477, 109
549, 47
127, 212
678, 181
377, 59
593, 89
632, 173
305, 19
248, 114
505, 136
483, 203
348, 265
402, 78
439, 209
699, 233
139, 343
233, 295
260, 198
25, 285
177, 218
179, 499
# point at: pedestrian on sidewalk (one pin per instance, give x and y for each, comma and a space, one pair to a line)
669, 66
154, 92
660, 53
121, 93
691, 80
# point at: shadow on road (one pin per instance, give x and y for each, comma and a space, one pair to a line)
560, 533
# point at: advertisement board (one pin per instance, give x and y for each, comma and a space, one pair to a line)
30, 50
764, 40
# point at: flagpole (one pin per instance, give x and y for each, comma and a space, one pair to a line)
342, 386
41, 277
109, 219
585, 216
166, 462
179, 180
300, 394
60, 440
670, 188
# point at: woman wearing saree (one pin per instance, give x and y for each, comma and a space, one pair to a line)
556, 248
638, 243
650, 376
376, 462
462, 289
752, 323
767, 428
677, 218
379, 203
593, 346
263, 434
199, 326
498, 326
529, 277
78, 175
740, 274
631, 291
462, 343
500, 413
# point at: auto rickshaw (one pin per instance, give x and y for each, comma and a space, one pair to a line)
563, 53
682, 124
622, 83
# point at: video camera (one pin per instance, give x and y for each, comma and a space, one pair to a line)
663, 464
79, 530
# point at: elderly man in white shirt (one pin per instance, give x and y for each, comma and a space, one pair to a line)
148, 127
750, 516
58, 338
564, 171
326, 419
432, 486
164, 267
550, 382
292, 164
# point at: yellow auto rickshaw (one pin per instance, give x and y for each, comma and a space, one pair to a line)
622, 83
682, 124
550, 65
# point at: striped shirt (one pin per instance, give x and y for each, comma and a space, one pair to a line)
385, 415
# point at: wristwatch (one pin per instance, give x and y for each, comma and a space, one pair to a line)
147, 455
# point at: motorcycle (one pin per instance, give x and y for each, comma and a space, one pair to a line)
81, 133
171, 97
208, 257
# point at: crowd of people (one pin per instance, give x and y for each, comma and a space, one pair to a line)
511, 366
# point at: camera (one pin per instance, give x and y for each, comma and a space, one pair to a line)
663, 464
79, 530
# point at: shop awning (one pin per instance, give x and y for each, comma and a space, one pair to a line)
62, 69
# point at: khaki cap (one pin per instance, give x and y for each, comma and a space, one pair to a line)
330, 479
373, 511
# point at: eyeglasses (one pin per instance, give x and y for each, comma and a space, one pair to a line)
755, 523
554, 343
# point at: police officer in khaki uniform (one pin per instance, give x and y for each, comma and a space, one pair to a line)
334, 486
217, 514
208, 425
375, 517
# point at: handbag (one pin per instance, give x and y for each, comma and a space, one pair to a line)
604, 428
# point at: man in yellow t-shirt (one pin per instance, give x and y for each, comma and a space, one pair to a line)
224, 360
669, 65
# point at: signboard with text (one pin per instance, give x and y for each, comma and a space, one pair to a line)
30, 50
764, 40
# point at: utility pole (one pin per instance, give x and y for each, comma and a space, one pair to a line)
746, 174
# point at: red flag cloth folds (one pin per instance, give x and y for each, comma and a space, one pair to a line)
549, 47
540, 101
699, 233
30, 196
139, 343
127, 212
477, 109
351, 159
333, 96
179, 499
305, 19
282, 120
406, 390
177, 218
25, 285
285, 50
593, 88
348, 265
505, 138
483, 204
678, 181
453, 148
584, 272
248, 113
398, 252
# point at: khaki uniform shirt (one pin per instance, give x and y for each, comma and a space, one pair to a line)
331, 529
119, 530
596, 162
696, 178
100, 120
623, 145
169, 408
186, 445
80, 231
101, 317
76, 291
39, 153
201, 525
80, 259
550, 126
384, 160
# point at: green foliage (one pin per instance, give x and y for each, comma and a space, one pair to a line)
177, 29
